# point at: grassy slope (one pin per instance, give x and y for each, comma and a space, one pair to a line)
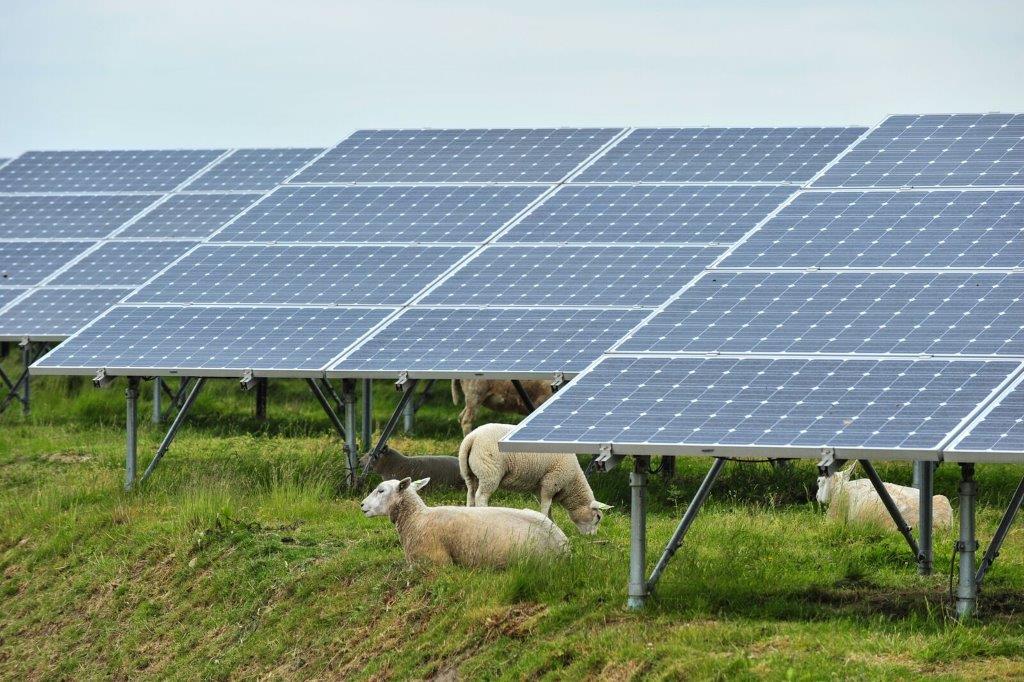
245, 556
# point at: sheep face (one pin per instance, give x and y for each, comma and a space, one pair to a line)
587, 519
824, 489
383, 497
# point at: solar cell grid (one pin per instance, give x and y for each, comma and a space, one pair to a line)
28, 263
189, 216
8, 294
997, 435
63, 217
122, 263
254, 169
54, 314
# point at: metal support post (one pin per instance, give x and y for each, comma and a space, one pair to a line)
926, 489
891, 507
668, 468
26, 357
173, 430
367, 424
261, 399
915, 479
131, 395
348, 394
158, 390
967, 590
409, 417
638, 533
408, 388
523, 395
997, 541
684, 525
326, 405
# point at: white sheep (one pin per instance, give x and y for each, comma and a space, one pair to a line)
467, 536
859, 501
552, 477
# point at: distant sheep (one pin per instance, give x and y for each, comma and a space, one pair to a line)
552, 477
497, 395
858, 501
442, 470
467, 536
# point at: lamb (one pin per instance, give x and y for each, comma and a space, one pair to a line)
443, 470
553, 477
497, 395
467, 536
858, 501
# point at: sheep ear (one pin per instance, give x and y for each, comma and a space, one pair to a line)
420, 484
600, 505
404, 483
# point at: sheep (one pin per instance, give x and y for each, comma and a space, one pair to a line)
442, 470
858, 501
467, 536
553, 477
497, 395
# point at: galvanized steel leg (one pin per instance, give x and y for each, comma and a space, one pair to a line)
997, 541
409, 417
326, 405
367, 424
408, 388
684, 525
261, 398
348, 394
26, 357
173, 429
967, 590
926, 487
523, 395
158, 389
131, 395
638, 533
915, 480
891, 507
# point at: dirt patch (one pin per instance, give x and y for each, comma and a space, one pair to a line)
516, 622
67, 457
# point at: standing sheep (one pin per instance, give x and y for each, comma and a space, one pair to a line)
551, 477
467, 536
442, 470
859, 501
497, 395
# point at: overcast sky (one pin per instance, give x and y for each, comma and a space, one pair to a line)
201, 73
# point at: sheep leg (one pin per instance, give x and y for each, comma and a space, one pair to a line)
484, 490
467, 416
472, 484
548, 489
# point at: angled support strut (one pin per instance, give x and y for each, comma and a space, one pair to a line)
891, 507
172, 431
408, 388
997, 540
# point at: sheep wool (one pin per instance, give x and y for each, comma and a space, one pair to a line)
857, 501
442, 471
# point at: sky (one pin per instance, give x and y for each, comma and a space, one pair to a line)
122, 74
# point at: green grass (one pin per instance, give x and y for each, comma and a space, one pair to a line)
246, 556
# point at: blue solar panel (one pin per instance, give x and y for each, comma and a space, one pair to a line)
911, 229
728, 406
818, 312
489, 341
381, 214
182, 340
8, 294
27, 263
67, 217
306, 275
104, 171
254, 169
54, 314
958, 150
454, 155
573, 276
191, 216
123, 264
647, 214
997, 435
702, 155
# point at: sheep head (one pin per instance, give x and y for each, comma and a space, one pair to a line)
588, 517
385, 496
828, 486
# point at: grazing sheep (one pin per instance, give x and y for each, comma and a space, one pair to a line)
467, 536
442, 470
858, 501
553, 477
497, 395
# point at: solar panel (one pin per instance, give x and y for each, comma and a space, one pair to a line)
647, 214
702, 155
27, 263
122, 263
8, 294
381, 214
949, 150
892, 409
487, 342
190, 216
818, 312
50, 314
294, 274
458, 155
104, 171
254, 169
200, 340
910, 229
67, 217
575, 276
997, 435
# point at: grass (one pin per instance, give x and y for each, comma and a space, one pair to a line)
246, 556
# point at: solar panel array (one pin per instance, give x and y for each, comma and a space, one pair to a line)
880, 321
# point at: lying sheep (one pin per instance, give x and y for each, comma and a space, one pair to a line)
467, 536
858, 501
442, 470
553, 477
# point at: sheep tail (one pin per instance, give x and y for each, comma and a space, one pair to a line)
455, 391
464, 448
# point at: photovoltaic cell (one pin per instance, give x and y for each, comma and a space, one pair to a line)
104, 171
67, 217
254, 169
27, 263
9, 294
910, 229
727, 406
489, 341
573, 276
647, 214
818, 312
300, 275
174, 339
997, 435
701, 155
958, 150
191, 216
55, 314
454, 155
381, 214
127, 264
